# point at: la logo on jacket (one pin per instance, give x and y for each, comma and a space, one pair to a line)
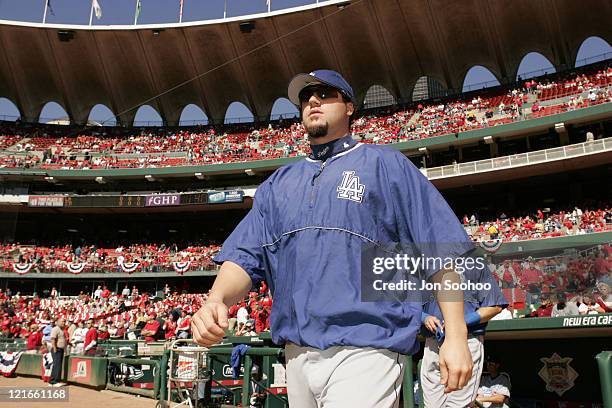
351, 188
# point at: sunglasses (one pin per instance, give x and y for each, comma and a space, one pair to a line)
322, 93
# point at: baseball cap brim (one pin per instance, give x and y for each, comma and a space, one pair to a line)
299, 82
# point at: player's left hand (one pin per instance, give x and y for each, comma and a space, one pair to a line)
432, 322
455, 363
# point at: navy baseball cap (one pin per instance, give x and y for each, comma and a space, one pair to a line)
320, 76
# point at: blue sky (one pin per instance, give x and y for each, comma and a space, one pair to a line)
167, 11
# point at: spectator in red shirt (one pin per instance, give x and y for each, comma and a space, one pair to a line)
262, 319
531, 277
184, 326
231, 315
169, 328
17, 331
105, 294
103, 333
34, 339
151, 329
91, 339
545, 308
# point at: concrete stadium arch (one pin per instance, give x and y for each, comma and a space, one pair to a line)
591, 50
103, 115
377, 95
192, 114
427, 87
147, 115
53, 111
283, 108
9, 109
479, 77
534, 64
238, 112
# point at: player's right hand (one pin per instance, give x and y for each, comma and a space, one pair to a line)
455, 363
432, 323
209, 323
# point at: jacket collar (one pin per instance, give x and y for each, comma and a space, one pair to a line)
324, 151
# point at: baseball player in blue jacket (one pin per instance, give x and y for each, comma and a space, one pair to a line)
304, 236
483, 300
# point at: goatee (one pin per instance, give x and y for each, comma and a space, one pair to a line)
316, 131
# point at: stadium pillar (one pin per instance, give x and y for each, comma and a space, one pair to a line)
408, 384
564, 138
604, 363
494, 149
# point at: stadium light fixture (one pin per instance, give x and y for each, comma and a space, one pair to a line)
65, 35
423, 150
150, 178
247, 26
488, 139
100, 180
249, 172
200, 176
50, 179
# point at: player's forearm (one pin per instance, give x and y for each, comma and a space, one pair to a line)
488, 312
231, 285
451, 304
497, 399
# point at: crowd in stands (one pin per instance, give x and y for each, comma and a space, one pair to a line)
77, 259
540, 225
98, 149
21, 258
583, 280
570, 284
91, 318
94, 318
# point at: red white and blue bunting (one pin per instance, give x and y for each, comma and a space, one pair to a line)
491, 245
46, 366
8, 362
129, 267
22, 269
76, 268
181, 267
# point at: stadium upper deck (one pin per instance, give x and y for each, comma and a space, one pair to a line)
251, 59
92, 148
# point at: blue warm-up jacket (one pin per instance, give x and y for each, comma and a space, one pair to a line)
306, 232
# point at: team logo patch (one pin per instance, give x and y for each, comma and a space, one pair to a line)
558, 374
351, 188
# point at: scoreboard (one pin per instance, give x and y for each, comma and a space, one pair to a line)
114, 201
137, 201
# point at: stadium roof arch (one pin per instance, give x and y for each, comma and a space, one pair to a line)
251, 59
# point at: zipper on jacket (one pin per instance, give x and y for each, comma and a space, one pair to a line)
315, 184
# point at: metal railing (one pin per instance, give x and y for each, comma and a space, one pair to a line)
522, 159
